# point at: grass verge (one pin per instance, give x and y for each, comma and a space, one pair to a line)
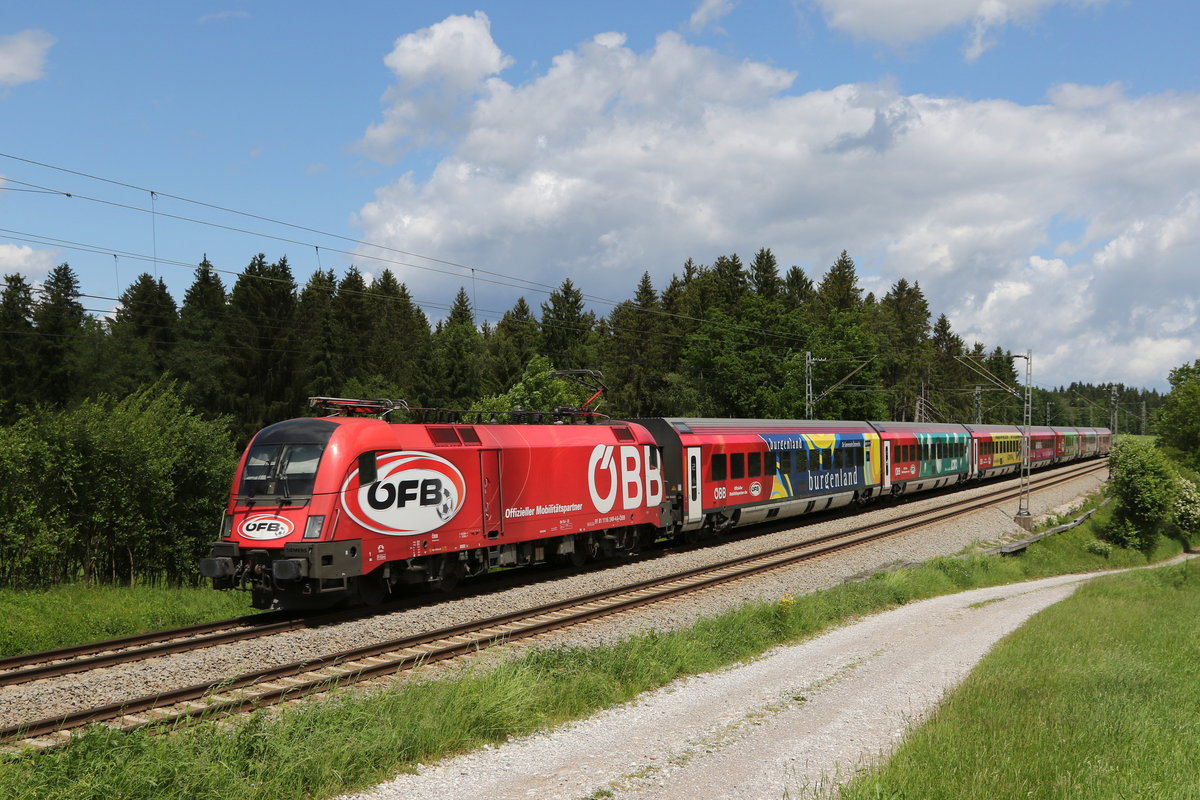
75, 614
1094, 698
353, 739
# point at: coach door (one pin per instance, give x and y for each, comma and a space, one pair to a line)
489, 468
695, 493
887, 466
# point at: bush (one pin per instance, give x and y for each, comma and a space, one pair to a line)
1187, 507
111, 491
1099, 548
1145, 486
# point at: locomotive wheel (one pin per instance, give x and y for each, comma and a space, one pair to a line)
372, 589
452, 573
577, 557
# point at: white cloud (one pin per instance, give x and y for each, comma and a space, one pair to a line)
708, 12
31, 264
438, 69
23, 56
898, 24
611, 162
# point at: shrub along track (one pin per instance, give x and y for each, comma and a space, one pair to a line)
290, 681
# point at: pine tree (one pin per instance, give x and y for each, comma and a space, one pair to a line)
798, 289
567, 328
323, 359
141, 336
512, 346
839, 289
634, 358
59, 320
401, 345
730, 282
17, 345
200, 358
949, 379
260, 342
458, 349
354, 336
904, 322
764, 275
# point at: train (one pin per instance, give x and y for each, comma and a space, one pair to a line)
351, 507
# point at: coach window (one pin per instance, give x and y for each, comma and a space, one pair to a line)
754, 464
737, 466
784, 461
718, 466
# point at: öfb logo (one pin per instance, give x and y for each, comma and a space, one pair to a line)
265, 526
415, 493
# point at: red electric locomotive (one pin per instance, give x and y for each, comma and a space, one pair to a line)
349, 507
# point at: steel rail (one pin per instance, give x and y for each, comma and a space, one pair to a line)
288, 681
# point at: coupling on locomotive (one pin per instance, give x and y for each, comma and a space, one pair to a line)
352, 508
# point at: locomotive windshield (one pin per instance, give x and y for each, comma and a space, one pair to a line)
283, 460
281, 471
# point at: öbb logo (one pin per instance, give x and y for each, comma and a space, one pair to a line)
415, 493
627, 472
265, 526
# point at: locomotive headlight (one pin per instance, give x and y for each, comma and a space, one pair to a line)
227, 526
312, 530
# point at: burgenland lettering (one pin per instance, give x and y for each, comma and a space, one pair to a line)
819, 481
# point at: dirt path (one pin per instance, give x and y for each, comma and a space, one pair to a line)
799, 718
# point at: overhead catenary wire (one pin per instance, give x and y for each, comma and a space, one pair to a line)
526, 284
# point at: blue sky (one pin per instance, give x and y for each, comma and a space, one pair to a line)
1033, 164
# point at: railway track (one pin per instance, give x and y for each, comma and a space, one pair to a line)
281, 683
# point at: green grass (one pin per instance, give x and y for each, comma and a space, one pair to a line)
31, 621
1095, 697
352, 740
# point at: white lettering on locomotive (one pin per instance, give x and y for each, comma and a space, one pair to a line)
639, 481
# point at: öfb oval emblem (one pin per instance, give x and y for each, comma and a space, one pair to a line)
414, 493
265, 526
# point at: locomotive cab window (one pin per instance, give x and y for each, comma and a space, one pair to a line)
280, 471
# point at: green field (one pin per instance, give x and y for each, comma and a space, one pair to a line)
71, 614
1096, 697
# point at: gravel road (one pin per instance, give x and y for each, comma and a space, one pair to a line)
800, 719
